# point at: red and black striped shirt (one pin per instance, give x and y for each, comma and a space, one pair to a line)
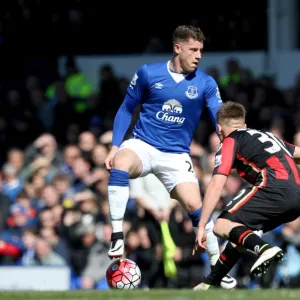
259, 157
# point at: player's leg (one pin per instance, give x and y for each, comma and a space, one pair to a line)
228, 258
242, 222
188, 195
243, 217
243, 236
176, 173
129, 162
225, 228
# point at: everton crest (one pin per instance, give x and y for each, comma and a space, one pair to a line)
192, 92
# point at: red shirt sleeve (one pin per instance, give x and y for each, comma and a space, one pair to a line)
225, 156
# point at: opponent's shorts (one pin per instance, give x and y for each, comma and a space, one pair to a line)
170, 168
263, 208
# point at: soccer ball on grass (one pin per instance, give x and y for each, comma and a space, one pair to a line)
123, 274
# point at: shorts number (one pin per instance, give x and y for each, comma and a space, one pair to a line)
190, 169
277, 144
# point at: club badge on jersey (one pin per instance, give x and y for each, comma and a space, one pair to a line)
192, 92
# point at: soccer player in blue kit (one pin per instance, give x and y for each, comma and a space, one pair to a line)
172, 95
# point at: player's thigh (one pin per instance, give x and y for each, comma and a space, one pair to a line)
246, 209
188, 195
176, 172
262, 208
288, 203
133, 156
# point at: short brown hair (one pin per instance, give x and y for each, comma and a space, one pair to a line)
231, 111
186, 32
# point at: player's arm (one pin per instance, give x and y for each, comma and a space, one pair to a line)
135, 93
223, 164
213, 99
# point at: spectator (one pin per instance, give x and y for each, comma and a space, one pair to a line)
44, 255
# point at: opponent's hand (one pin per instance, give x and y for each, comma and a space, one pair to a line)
200, 243
109, 158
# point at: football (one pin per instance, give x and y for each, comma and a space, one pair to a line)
123, 274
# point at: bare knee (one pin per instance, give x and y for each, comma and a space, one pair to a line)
126, 160
191, 205
222, 228
120, 162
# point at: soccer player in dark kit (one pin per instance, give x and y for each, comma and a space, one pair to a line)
271, 199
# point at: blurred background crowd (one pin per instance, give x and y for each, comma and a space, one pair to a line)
55, 133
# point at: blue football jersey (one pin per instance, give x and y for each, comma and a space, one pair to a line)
171, 105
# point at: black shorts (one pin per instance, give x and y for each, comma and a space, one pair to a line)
263, 208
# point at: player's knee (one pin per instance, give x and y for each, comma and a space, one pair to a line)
191, 206
126, 160
122, 162
216, 230
220, 228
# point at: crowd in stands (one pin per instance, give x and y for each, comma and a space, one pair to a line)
81, 27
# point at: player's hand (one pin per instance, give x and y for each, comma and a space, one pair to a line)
200, 244
110, 157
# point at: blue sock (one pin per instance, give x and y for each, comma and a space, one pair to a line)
195, 217
118, 178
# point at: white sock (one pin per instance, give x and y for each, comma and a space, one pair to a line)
118, 198
212, 244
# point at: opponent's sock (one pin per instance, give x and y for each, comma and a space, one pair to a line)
228, 258
118, 194
246, 238
211, 240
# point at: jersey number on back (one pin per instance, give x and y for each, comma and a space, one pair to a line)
277, 144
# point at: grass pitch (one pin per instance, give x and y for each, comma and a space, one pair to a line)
155, 294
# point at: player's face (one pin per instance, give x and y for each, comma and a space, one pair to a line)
189, 53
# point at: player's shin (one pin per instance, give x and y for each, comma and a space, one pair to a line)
211, 241
118, 193
228, 258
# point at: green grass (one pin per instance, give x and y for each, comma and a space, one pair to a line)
156, 295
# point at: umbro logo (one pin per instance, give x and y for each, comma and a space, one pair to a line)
158, 86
